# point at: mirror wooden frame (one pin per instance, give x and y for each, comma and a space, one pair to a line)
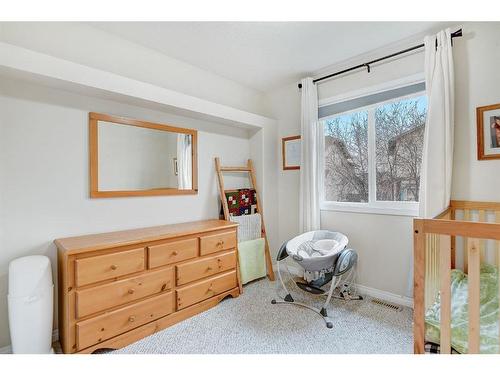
94, 158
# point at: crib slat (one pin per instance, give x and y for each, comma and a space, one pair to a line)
427, 251
473, 291
419, 265
497, 220
445, 288
436, 265
453, 242
431, 268
466, 244
497, 254
466, 215
482, 246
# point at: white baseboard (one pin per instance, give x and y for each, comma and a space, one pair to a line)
386, 296
8, 350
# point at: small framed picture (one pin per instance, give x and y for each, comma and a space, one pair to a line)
488, 132
291, 152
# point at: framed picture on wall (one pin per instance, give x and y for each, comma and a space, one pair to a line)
488, 132
291, 152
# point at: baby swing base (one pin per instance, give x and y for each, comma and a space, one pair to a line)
346, 258
322, 313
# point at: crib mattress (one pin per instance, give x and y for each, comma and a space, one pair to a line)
489, 342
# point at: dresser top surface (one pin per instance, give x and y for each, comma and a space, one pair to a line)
134, 236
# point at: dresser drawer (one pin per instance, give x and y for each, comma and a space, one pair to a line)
109, 266
217, 242
172, 252
117, 293
200, 268
103, 327
189, 295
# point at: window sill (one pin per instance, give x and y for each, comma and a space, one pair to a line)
402, 209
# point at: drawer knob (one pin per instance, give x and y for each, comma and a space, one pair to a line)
209, 268
164, 286
114, 267
131, 318
210, 289
220, 243
174, 253
131, 291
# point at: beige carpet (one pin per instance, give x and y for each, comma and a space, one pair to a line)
251, 324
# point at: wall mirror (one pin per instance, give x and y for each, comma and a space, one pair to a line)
137, 158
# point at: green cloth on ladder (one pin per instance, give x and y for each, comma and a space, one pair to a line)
252, 259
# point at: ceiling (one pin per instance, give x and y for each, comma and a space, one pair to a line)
265, 55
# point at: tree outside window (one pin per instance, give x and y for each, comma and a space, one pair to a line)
397, 154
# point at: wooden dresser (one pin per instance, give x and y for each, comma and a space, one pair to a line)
116, 288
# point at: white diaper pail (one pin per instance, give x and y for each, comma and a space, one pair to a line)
31, 294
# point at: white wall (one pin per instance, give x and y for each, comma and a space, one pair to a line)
384, 242
96, 48
44, 190
284, 106
264, 152
477, 83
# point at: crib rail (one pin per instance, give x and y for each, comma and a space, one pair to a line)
435, 256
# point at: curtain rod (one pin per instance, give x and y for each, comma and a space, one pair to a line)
366, 65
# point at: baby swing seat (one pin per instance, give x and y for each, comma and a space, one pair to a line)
324, 257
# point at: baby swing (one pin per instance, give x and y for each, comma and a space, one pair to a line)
324, 257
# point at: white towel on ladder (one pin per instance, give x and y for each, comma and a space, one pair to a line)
249, 228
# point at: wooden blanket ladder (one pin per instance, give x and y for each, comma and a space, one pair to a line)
250, 170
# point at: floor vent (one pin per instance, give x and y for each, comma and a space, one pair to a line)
389, 305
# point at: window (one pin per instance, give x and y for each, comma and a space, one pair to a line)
373, 152
346, 158
399, 136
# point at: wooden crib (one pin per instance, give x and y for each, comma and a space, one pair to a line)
464, 236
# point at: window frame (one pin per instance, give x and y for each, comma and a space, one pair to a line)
373, 206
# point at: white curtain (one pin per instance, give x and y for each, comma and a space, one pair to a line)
309, 166
184, 161
437, 159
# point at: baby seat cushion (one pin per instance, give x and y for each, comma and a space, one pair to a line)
302, 249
